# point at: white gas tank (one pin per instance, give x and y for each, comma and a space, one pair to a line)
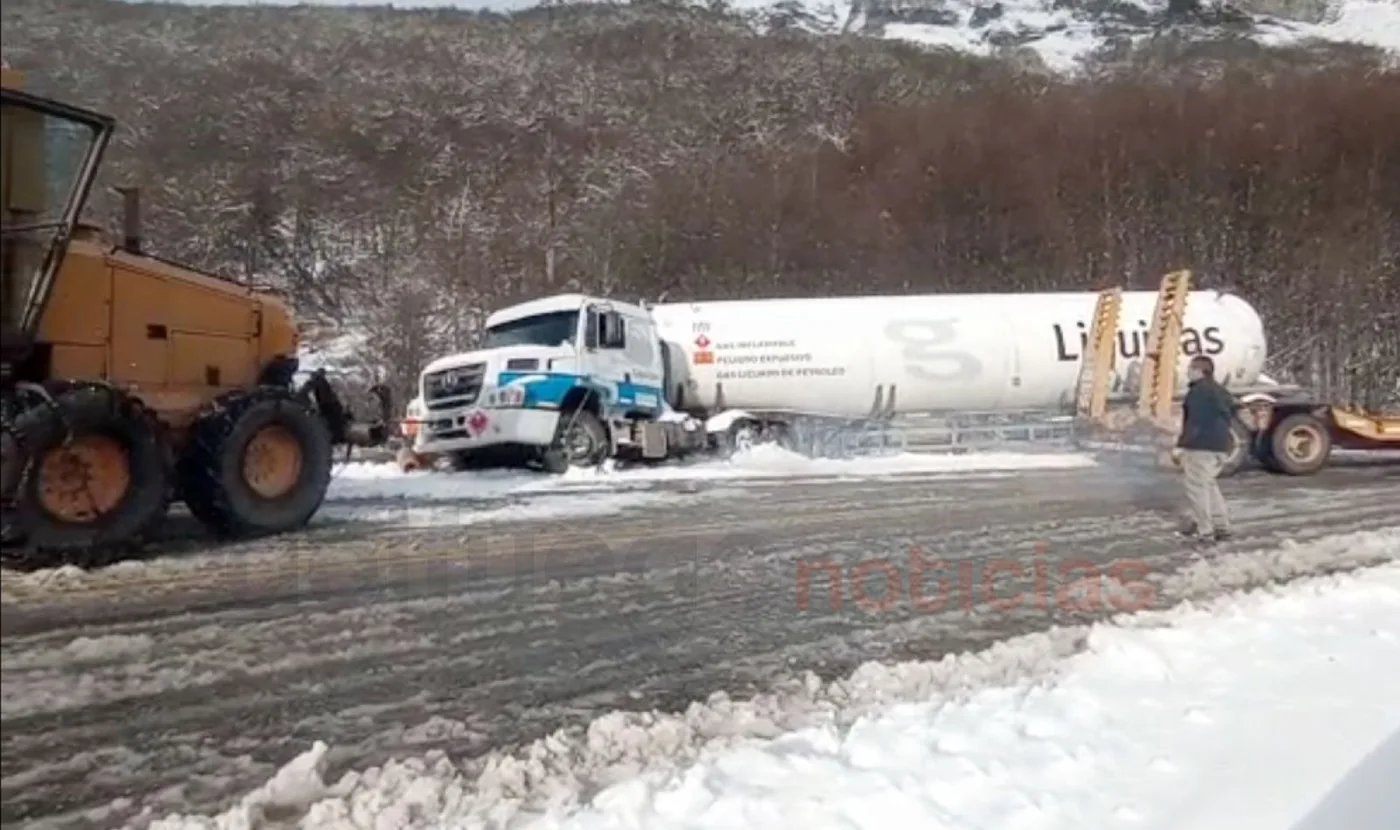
953, 352
797, 355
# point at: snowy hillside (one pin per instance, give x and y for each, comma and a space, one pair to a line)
1059, 32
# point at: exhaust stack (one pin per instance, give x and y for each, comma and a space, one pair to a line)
131, 218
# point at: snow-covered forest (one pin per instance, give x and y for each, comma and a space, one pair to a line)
405, 172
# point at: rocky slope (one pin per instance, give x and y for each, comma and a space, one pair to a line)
1060, 32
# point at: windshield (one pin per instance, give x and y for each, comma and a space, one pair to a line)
558, 328
48, 157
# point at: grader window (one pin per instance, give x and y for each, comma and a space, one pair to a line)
48, 157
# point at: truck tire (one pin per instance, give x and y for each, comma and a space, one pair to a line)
580, 440
259, 463
743, 435
93, 477
1241, 442
1300, 444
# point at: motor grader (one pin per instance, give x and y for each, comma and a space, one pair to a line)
127, 381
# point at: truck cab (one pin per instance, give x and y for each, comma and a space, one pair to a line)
571, 372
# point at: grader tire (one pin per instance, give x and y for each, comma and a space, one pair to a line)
259, 464
94, 477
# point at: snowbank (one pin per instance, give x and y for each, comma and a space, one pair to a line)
360, 480
1242, 712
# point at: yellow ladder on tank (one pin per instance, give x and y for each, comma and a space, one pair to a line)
1096, 369
1156, 394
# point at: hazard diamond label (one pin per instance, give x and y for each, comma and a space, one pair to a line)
702, 342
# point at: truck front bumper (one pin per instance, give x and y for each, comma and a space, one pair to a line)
473, 427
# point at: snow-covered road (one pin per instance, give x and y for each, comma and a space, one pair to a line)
1242, 712
181, 683
381, 493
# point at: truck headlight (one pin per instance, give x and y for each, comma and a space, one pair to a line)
507, 396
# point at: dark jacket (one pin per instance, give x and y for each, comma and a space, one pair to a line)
1207, 417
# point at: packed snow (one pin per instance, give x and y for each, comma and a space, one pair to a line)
360, 480
1249, 710
540, 509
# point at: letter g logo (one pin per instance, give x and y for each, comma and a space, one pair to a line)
922, 343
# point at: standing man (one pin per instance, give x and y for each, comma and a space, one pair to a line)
1208, 414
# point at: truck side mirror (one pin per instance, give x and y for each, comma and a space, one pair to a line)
590, 329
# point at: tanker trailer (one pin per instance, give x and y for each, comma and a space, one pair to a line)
756, 362
574, 379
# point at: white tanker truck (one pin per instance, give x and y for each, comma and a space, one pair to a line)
575, 379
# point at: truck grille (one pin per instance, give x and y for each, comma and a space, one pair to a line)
459, 385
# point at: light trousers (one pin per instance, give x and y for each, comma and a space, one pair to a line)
1202, 467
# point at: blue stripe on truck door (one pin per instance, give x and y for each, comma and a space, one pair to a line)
549, 389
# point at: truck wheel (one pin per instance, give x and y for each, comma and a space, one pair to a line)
93, 475
259, 463
743, 435
1300, 444
581, 440
1240, 442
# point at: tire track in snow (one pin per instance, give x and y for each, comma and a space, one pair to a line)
296, 564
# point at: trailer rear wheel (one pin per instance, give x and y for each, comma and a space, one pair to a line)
1300, 444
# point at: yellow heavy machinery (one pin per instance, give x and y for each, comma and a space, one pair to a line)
128, 381
1284, 431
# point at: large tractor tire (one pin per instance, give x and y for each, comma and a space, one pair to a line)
1299, 445
259, 464
93, 477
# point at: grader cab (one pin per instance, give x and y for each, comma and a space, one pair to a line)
128, 381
